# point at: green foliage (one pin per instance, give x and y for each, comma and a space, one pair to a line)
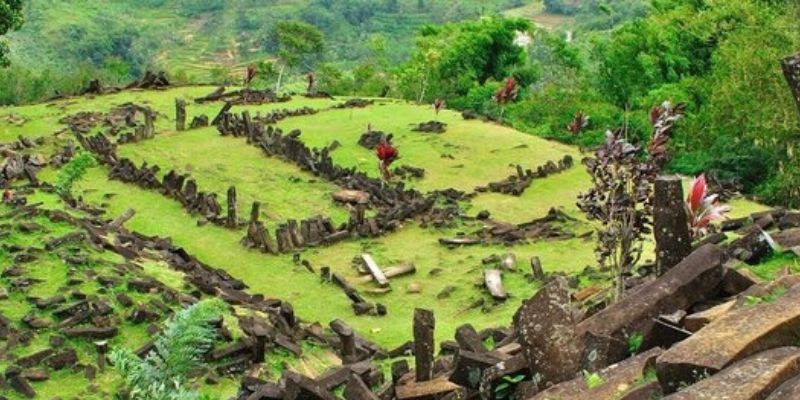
179, 349
635, 342
297, 43
73, 171
505, 389
592, 380
450, 60
10, 19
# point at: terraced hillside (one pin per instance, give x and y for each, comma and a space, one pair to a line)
439, 223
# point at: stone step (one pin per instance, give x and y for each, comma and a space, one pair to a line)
732, 337
753, 378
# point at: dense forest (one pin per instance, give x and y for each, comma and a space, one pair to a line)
610, 61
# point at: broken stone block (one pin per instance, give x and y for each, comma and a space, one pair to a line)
694, 279
546, 331
753, 378
614, 382
730, 338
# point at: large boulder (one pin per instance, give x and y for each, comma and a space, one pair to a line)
546, 331
694, 279
753, 378
730, 338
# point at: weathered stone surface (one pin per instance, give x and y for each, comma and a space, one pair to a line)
670, 223
425, 390
299, 387
547, 334
732, 337
789, 390
616, 379
694, 322
694, 279
424, 345
753, 378
351, 196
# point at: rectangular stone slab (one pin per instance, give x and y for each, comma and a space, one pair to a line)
423, 390
616, 380
693, 279
753, 378
732, 337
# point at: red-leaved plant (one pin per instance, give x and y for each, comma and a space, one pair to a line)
703, 208
387, 154
508, 92
438, 105
579, 122
249, 75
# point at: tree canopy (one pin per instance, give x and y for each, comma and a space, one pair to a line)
10, 19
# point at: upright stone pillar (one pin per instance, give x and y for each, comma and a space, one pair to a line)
424, 324
232, 222
180, 114
670, 223
149, 130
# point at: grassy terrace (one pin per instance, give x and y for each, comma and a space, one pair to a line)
481, 152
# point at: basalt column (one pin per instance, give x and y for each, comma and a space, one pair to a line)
424, 325
180, 114
670, 223
231, 221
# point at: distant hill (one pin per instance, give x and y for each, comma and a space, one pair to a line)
196, 37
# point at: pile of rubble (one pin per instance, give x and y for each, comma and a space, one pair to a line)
150, 80
516, 184
20, 166
430, 127
371, 139
243, 96
128, 122
498, 232
22, 143
355, 103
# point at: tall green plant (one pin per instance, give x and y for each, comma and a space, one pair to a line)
73, 171
179, 349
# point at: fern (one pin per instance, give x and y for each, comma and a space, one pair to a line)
179, 349
73, 171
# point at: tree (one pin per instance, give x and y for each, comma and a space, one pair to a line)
298, 44
450, 60
180, 348
10, 19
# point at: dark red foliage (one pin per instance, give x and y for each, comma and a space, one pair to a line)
387, 153
438, 105
249, 75
579, 122
508, 92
